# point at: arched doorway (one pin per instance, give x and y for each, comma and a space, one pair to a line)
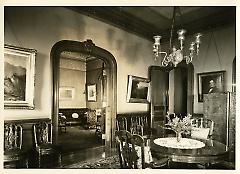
86, 47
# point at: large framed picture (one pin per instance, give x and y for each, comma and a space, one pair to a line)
92, 92
138, 90
210, 82
19, 74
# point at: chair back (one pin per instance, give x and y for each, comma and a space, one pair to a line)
139, 125
42, 133
12, 136
92, 117
122, 123
204, 125
131, 150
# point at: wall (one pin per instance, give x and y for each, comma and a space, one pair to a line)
77, 71
41, 27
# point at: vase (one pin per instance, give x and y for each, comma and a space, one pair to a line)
179, 136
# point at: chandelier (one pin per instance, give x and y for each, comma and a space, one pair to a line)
175, 55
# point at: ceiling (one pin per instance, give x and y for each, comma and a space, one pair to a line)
156, 20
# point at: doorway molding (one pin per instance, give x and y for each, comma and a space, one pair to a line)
86, 47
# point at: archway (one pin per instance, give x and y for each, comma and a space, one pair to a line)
86, 47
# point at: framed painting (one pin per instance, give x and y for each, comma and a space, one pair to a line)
210, 82
92, 92
138, 90
19, 76
66, 93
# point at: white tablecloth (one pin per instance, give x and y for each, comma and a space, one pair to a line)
184, 143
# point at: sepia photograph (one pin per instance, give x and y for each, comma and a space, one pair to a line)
120, 87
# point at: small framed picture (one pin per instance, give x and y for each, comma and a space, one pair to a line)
66, 93
92, 92
210, 82
19, 76
138, 90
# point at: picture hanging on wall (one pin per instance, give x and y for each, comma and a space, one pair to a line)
138, 90
92, 92
19, 74
210, 82
66, 93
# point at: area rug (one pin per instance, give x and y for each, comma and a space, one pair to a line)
103, 163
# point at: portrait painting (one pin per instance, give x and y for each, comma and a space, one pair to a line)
210, 82
19, 73
138, 90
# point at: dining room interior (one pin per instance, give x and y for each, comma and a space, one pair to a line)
120, 87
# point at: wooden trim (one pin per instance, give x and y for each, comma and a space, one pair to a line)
86, 47
28, 121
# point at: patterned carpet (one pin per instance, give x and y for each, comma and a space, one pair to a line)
103, 163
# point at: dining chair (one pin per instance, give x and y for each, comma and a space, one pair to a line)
121, 123
62, 123
128, 154
13, 152
202, 128
133, 153
43, 143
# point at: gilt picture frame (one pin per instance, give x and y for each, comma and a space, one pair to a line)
207, 79
138, 90
19, 77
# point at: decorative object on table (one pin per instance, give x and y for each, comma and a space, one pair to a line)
92, 92
19, 73
179, 125
210, 82
176, 55
138, 90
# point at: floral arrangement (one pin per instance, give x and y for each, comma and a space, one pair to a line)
180, 125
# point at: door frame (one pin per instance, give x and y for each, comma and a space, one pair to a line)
86, 47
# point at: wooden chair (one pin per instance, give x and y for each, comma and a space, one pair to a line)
128, 155
43, 143
139, 125
202, 128
62, 123
133, 153
122, 123
13, 152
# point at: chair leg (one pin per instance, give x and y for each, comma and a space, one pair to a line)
26, 163
60, 160
39, 160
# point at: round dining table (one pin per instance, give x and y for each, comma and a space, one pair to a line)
209, 152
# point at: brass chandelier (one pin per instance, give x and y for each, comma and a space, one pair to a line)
175, 55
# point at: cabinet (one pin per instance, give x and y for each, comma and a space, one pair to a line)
221, 108
159, 78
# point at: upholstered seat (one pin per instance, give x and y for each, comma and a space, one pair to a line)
202, 128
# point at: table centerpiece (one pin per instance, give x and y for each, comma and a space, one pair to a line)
179, 125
